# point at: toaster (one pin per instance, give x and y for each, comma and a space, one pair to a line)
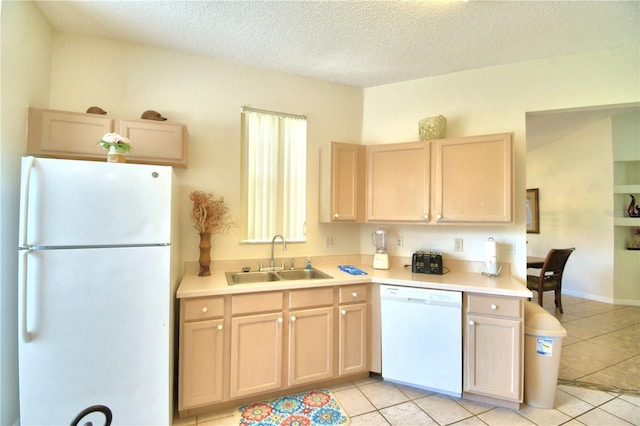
425, 262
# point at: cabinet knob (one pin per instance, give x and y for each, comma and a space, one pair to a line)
493, 307
426, 216
471, 322
280, 320
343, 312
205, 310
439, 217
220, 327
354, 294
293, 318
335, 215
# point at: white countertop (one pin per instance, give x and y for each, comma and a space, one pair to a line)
472, 282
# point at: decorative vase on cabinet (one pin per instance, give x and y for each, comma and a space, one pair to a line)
116, 155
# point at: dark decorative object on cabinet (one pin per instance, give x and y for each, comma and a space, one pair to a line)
152, 115
96, 110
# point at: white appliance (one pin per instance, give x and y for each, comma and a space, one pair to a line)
379, 240
97, 280
422, 338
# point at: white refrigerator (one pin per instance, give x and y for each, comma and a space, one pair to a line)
97, 281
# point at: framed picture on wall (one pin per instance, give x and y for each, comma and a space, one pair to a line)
533, 212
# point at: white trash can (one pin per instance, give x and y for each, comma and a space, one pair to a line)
543, 335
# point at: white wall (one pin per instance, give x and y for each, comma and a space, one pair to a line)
25, 70
206, 94
575, 178
495, 100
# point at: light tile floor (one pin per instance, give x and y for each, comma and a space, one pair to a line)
602, 347
601, 354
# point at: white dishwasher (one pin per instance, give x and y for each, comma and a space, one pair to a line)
422, 338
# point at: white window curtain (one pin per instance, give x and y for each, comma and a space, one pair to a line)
274, 151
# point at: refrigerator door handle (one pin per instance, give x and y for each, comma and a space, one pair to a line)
22, 296
27, 166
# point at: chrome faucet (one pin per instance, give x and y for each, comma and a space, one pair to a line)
273, 242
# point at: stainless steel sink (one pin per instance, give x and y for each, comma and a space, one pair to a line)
234, 278
251, 277
302, 274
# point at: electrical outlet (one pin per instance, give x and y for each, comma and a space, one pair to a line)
399, 242
457, 244
328, 242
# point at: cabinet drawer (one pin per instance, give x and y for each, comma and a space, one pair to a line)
353, 293
308, 298
256, 302
494, 305
202, 308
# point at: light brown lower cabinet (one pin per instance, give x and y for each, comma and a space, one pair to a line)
256, 343
273, 341
353, 339
256, 354
236, 346
310, 345
493, 348
202, 382
201, 352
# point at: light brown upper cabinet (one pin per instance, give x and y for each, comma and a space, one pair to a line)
342, 183
156, 142
75, 135
473, 179
398, 182
461, 180
63, 134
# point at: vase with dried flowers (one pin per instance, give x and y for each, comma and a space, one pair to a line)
117, 146
210, 216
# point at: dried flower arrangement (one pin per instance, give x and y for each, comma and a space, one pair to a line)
210, 216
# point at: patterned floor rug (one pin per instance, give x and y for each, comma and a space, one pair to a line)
318, 407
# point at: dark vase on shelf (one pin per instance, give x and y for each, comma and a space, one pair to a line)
633, 210
205, 254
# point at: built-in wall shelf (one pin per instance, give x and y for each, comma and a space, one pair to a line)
626, 182
627, 221
626, 189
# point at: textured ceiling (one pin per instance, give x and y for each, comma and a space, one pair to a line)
359, 43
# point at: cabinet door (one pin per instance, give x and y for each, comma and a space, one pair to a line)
398, 182
353, 339
310, 345
200, 364
156, 142
67, 134
342, 177
474, 179
492, 357
256, 354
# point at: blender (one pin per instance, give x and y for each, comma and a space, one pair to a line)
381, 258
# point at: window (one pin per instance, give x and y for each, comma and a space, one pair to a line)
274, 175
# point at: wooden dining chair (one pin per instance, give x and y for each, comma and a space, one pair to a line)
550, 277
